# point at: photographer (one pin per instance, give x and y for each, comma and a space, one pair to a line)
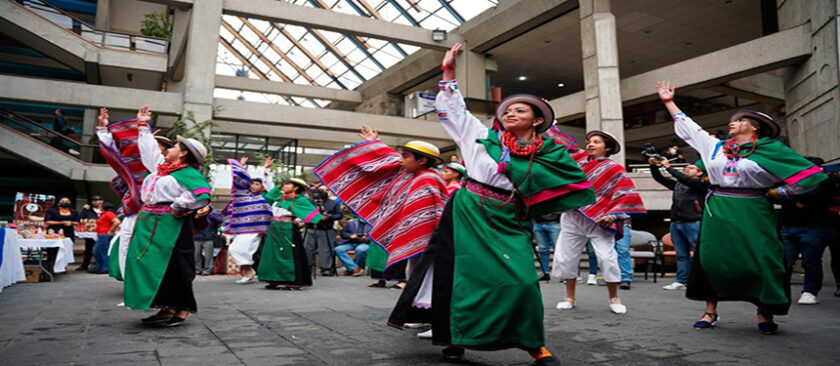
321, 236
686, 211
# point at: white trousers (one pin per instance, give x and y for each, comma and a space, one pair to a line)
126, 231
243, 247
575, 231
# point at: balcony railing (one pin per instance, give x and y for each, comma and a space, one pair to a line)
98, 37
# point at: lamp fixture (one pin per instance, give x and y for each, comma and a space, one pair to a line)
560, 85
438, 35
522, 78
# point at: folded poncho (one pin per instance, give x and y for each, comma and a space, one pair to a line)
248, 213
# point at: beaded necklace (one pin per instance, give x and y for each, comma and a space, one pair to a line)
732, 150
518, 148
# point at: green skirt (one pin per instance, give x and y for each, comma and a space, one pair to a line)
283, 259
740, 256
114, 260
148, 257
485, 292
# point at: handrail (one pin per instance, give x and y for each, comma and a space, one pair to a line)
40, 126
101, 38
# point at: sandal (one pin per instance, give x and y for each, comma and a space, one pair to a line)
377, 285
703, 324
453, 352
398, 285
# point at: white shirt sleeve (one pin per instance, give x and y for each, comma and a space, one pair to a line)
105, 137
186, 201
149, 149
694, 135
268, 179
452, 112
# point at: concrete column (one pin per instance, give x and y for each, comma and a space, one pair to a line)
88, 130
200, 68
471, 74
812, 93
103, 14
600, 70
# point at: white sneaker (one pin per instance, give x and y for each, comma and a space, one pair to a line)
618, 308
578, 280
121, 305
591, 280
415, 325
246, 280
567, 304
807, 298
425, 335
674, 286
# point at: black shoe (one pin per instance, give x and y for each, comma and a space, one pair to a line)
272, 286
624, 285
545, 277
768, 328
82, 268
100, 272
90, 270
327, 273
154, 320
547, 361
702, 324
837, 292
175, 321
453, 352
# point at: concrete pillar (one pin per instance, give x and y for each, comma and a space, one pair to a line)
471, 74
600, 70
202, 46
103, 14
88, 130
812, 93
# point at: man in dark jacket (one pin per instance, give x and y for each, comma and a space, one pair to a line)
320, 237
204, 240
686, 212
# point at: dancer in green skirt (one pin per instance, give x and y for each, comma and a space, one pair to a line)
740, 256
485, 291
283, 260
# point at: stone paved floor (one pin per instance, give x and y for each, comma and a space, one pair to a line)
340, 321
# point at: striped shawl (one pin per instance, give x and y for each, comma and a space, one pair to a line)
403, 208
248, 213
126, 162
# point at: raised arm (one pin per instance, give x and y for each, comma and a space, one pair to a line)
685, 127
149, 150
452, 111
657, 175
105, 137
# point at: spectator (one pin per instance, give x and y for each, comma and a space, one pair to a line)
453, 174
60, 123
806, 229
320, 237
204, 240
546, 230
60, 220
106, 226
90, 212
674, 154
686, 212
354, 236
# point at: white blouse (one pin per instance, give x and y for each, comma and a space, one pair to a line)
165, 188
740, 173
465, 129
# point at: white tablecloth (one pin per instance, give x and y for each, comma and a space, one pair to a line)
65, 250
11, 270
86, 235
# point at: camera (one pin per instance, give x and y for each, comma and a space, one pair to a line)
318, 194
651, 152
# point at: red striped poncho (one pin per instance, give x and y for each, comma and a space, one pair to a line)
403, 208
126, 162
615, 192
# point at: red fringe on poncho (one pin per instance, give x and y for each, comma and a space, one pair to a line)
403, 208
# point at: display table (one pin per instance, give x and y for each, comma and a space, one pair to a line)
65, 250
11, 266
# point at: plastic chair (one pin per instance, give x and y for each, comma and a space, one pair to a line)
642, 239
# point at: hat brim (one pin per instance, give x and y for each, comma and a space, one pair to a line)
607, 136
438, 160
773, 128
541, 104
299, 184
191, 149
164, 141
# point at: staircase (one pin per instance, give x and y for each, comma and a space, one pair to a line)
58, 153
76, 44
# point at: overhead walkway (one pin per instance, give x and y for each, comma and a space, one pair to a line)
34, 142
74, 43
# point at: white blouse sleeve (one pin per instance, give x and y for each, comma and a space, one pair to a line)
149, 149
105, 137
186, 201
694, 135
268, 179
452, 112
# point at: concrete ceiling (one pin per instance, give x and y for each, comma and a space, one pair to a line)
651, 34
